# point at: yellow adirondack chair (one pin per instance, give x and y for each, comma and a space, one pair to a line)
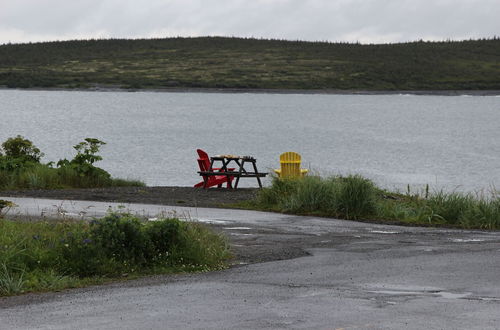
290, 166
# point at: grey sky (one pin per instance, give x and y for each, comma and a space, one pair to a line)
367, 21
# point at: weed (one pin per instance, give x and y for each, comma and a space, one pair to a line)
11, 280
5, 206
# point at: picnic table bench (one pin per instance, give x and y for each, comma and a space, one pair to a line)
239, 171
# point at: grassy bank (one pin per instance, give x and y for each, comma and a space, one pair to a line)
42, 256
355, 197
21, 168
216, 62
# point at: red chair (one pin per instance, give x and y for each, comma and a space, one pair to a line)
212, 180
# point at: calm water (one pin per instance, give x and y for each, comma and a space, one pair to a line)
447, 142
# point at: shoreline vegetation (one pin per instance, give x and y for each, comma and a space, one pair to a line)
357, 198
49, 255
246, 64
21, 167
351, 197
104, 89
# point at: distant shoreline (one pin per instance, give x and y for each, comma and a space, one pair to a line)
268, 91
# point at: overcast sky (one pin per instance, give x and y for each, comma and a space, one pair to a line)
366, 21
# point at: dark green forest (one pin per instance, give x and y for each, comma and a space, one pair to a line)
218, 62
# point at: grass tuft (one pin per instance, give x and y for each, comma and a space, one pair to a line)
11, 280
355, 196
349, 197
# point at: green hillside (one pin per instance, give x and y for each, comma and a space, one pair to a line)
251, 63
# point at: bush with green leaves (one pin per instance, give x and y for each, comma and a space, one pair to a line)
21, 148
122, 243
44, 255
20, 167
86, 156
18, 153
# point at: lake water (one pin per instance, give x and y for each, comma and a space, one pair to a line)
450, 142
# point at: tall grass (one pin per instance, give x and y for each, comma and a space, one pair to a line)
355, 197
38, 256
350, 197
451, 207
463, 210
41, 176
485, 213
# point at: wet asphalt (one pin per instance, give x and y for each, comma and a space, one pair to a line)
333, 274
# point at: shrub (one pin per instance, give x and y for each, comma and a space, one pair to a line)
164, 236
18, 153
21, 148
121, 243
78, 255
86, 156
122, 238
20, 168
50, 255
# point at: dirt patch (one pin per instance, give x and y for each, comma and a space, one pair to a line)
180, 196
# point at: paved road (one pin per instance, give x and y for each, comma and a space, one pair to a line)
356, 276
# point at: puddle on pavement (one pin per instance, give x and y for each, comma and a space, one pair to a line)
397, 293
383, 232
466, 240
443, 294
211, 221
485, 298
451, 295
